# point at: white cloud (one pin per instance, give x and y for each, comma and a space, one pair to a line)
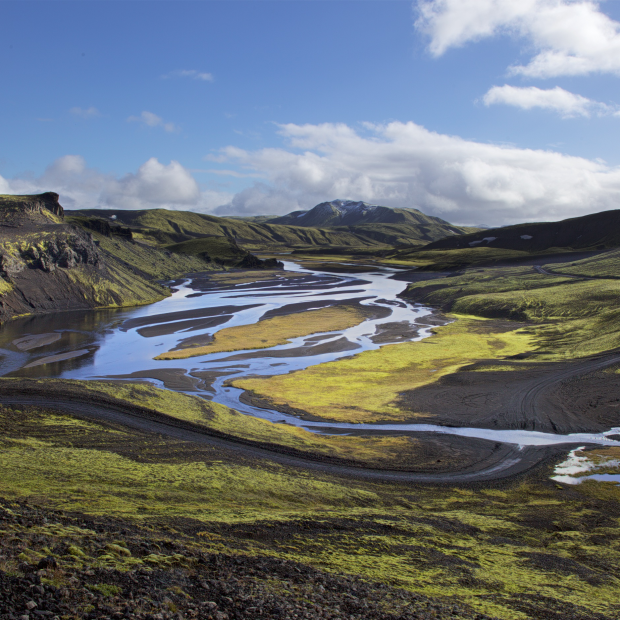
91, 112
152, 120
202, 76
152, 185
557, 99
570, 37
405, 165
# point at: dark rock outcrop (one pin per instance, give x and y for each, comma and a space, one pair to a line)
104, 227
16, 208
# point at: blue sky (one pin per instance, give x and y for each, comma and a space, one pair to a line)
478, 111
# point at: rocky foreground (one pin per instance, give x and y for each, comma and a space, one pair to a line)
172, 581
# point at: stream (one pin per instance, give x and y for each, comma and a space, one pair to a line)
112, 344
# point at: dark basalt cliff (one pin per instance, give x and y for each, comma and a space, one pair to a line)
49, 264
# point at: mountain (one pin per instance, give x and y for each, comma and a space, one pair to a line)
50, 262
350, 213
596, 232
164, 227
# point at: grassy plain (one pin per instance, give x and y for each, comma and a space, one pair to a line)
569, 316
275, 331
530, 548
364, 387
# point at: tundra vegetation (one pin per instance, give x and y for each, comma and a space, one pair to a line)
526, 548
114, 516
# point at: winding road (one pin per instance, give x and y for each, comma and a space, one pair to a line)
506, 460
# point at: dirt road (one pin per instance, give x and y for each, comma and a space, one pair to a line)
498, 461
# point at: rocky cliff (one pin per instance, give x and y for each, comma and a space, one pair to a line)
49, 264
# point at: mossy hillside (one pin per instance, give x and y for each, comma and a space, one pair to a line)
219, 249
166, 227
604, 265
570, 317
448, 260
526, 549
117, 288
275, 331
123, 473
364, 388
391, 452
153, 263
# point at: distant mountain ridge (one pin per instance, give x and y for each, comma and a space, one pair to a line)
595, 231
358, 213
340, 223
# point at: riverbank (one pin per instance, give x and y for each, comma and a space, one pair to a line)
137, 520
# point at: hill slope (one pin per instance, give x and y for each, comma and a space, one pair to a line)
49, 264
161, 226
597, 231
368, 226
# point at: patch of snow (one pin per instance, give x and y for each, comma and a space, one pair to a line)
567, 470
526, 237
487, 239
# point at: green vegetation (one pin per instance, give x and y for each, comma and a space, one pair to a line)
605, 265
365, 387
529, 548
275, 331
150, 262
570, 317
219, 249
455, 259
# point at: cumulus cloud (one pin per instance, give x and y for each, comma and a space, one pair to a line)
556, 99
570, 37
152, 120
192, 74
405, 165
153, 185
91, 112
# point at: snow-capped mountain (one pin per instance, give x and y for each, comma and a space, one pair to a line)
355, 213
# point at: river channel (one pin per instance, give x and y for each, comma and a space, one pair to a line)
120, 344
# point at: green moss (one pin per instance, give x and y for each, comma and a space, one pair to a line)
364, 388
107, 589
570, 317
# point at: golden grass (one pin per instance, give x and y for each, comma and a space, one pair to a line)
275, 331
377, 451
524, 542
364, 388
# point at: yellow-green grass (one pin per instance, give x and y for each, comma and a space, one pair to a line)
373, 451
570, 317
478, 546
275, 331
606, 265
114, 484
365, 387
5, 287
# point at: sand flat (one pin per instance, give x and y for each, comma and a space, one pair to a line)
36, 340
61, 357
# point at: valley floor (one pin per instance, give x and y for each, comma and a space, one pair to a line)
142, 522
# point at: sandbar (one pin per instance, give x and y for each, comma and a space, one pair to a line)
36, 340
61, 357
